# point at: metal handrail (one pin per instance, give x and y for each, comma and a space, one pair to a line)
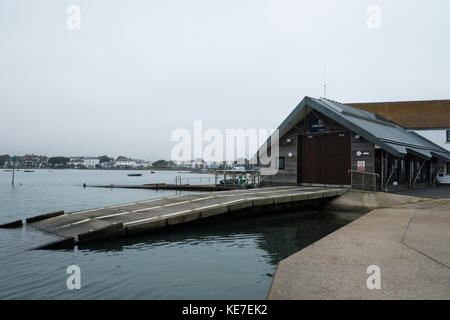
363, 173
252, 177
261, 180
179, 179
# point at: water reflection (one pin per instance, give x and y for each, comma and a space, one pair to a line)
279, 235
228, 258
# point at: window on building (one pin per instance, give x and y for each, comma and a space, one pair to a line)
448, 135
448, 167
281, 163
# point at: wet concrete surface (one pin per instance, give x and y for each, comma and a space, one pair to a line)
408, 242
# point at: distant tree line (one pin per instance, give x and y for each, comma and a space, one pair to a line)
65, 162
3, 159
58, 161
105, 158
164, 164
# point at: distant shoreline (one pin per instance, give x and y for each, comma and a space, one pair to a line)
185, 170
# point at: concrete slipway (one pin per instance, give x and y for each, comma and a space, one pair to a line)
131, 218
407, 238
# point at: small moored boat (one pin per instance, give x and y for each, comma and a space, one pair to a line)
134, 174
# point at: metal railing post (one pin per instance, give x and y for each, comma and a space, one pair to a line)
351, 179
374, 175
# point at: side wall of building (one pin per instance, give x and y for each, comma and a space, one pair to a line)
363, 163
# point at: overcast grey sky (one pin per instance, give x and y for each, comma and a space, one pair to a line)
137, 70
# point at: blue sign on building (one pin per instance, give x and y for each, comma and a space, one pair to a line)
316, 125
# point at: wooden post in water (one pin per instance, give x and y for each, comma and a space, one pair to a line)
13, 159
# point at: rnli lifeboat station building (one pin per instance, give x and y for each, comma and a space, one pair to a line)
326, 143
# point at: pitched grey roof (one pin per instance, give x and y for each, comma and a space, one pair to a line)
386, 134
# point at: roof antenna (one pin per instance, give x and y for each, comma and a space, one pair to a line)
325, 81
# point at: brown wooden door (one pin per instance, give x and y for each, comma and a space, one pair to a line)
338, 158
312, 158
325, 159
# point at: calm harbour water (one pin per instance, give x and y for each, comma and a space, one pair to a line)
232, 259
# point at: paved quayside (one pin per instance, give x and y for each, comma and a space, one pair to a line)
131, 218
408, 242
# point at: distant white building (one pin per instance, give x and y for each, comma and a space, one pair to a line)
147, 164
107, 164
139, 163
439, 136
76, 161
125, 163
198, 163
212, 165
91, 162
184, 164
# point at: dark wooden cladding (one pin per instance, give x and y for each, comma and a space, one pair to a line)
325, 159
338, 156
291, 143
312, 160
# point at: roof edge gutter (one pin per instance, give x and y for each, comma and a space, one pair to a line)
439, 156
417, 154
